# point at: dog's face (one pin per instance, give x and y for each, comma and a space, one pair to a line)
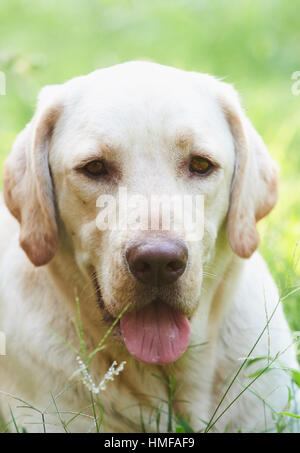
152, 131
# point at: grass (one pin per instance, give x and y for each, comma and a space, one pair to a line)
94, 410
285, 421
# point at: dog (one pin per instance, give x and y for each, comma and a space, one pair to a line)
203, 312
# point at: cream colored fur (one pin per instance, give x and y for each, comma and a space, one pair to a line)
146, 120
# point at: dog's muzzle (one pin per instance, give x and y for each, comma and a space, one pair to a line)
156, 334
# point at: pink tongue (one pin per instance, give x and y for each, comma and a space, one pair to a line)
157, 334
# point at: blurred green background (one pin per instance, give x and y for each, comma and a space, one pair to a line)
253, 44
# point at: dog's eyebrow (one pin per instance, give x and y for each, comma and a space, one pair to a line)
185, 138
189, 138
103, 151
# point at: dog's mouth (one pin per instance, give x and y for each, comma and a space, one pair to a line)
156, 334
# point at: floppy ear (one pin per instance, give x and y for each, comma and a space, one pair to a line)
254, 184
28, 190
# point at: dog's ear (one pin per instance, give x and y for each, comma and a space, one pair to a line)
254, 184
28, 189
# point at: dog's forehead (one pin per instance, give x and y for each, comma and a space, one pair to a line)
145, 89
141, 103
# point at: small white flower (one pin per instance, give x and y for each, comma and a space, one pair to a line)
109, 376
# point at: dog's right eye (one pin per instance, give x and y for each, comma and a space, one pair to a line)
201, 165
95, 168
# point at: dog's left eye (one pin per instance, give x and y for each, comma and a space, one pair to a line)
200, 165
95, 168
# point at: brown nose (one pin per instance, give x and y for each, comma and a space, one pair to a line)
157, 262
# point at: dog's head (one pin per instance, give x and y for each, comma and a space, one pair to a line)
144, 130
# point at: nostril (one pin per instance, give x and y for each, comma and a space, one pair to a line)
175, 265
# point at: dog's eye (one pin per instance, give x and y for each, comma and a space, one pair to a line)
200, 165
95, 168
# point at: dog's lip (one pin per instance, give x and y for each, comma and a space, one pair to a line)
107, 316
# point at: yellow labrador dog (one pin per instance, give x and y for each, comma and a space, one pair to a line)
195, 307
